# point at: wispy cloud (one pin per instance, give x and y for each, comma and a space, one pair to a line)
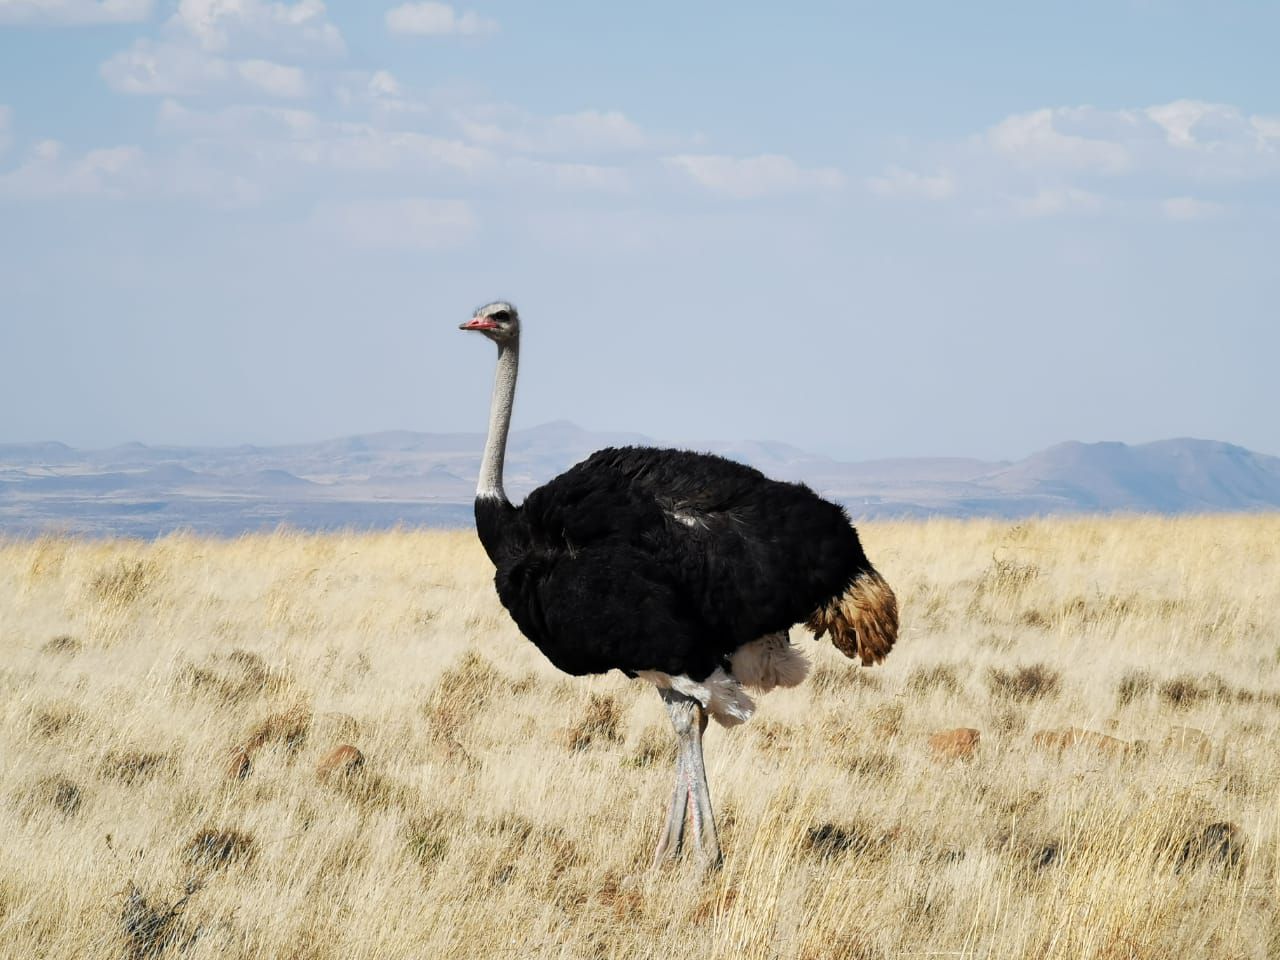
1184, 138
1040, 139
274, 79
897, 182
1082, 160
405, 223
74, 13
1186, 209
172, 69
589, 177
278, 30
436, 20
230, 47
1056, 201
48, 171
243, 122
750, 177
588, 131
291, 141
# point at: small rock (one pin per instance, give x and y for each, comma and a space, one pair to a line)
1191, 741
341, 761
958, 744
1069, 737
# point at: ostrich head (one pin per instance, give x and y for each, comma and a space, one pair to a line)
498, 321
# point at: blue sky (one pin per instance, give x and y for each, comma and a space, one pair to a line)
865, 229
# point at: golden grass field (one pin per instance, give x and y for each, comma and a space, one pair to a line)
504, 810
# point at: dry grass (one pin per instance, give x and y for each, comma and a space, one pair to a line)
179, 697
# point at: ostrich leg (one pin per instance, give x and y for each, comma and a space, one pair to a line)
689, 720
673, 833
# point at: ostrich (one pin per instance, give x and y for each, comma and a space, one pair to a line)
683, 569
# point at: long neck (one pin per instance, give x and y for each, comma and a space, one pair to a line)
495, 447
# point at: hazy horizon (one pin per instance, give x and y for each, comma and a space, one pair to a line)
695, 443
868, 232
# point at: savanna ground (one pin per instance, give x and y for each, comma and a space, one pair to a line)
164, 707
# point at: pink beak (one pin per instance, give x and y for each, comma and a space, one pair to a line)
479, 323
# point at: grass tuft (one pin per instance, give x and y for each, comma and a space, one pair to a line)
1024, 683
214, 847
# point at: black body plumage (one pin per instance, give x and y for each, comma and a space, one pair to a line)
648, 559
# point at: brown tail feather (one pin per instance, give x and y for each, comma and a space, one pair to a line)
863, 621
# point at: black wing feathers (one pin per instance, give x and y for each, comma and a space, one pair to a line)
641, 558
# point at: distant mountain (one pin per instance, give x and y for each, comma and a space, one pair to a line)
398, 477
1169, 476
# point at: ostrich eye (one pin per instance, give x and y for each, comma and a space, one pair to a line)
502, 316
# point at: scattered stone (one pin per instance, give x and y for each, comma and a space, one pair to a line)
1070, 737
342, 761
1191, 741
958, 744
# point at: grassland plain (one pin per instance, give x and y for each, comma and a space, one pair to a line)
164, 707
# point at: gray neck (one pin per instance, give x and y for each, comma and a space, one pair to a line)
495, 447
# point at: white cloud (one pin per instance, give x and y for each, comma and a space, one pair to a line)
436, 19
381, 95
74, 12
273, 78
897, 182
360, 147
572, 176
1178, 119
588, 131
1185, 209
747, 177
1195, 123
148, 68
257, 26
383, 84
6, 128
1045, 139
286, 138
244, 123
1055, 201
48, 172
1184, 138
1076, 160
227, 46
1267, 129
412, 223
174, 69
